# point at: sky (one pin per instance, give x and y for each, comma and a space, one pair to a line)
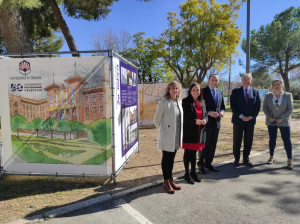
151, 17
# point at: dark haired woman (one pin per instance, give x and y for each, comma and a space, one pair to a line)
194, 121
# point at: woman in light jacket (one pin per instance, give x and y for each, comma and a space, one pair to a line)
168, 120
278, 106
194, 130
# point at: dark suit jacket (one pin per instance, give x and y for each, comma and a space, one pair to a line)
190, 128
238, 105
211, 106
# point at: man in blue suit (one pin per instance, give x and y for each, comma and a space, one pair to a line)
245, 106
215, 106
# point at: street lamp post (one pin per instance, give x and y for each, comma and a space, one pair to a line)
248, 38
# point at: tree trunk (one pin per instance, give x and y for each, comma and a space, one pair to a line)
51, 133
286, 81
63, 26
13, 31
65, 135
37, 133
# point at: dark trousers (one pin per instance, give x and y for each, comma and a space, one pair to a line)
189, 156
208, 153
238, 130
167, 163
286, 137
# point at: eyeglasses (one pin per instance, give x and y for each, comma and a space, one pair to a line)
276, 103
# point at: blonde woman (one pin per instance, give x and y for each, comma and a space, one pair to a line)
168, 120
278, 106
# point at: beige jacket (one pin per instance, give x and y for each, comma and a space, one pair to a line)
165, 122
282, 112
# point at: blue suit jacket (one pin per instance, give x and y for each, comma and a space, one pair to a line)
238, 105
211, 106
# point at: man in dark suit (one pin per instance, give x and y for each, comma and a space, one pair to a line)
245, 106
215, 106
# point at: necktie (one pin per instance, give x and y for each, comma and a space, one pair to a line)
214, 95
247, 97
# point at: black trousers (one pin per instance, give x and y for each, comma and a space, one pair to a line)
208, 153
189, 156
167, 163
238, 130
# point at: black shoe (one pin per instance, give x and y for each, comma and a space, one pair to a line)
195, 177
212, 168
188, 179
236, 163
202, 169
248, 163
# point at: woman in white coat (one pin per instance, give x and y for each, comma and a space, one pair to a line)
168, 120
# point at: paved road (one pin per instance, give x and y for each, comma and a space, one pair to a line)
262, 194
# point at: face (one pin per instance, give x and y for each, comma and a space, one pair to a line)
174, 90
195, 91
246, 81
277, 86
213, 81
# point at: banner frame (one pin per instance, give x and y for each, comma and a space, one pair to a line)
110, 54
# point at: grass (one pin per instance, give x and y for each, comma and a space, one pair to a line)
99, 158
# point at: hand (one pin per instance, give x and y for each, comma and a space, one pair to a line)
221, 114
198, 122
250, 118
278, 121
204, 122
272, 119
213, 114
244, 118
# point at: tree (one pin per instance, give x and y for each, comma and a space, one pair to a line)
76, 126
99, 132
145, 56
18, 122
37, 124
64, 126
205, 35
50, 124
29, 126
276, 46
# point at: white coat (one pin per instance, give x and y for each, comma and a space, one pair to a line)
165, 122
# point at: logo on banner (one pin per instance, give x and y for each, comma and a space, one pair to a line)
24, 67
16, 87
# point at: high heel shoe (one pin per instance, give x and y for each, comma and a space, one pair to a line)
270, 161
290, 165
173, 185
195, 177
188, 178
167, 187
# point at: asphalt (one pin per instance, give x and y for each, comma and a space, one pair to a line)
262, 194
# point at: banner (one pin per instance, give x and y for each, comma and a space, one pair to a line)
125, 112
56, 115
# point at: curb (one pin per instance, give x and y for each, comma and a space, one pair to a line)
107, 197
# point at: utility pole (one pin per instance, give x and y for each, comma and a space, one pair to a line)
248, 38
229, 83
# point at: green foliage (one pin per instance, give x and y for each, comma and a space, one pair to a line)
76, 126
145, 56
276, 46
99, 158
99, 132
29, 126
206, 35
37, 123
64, 126
50, 124
18, 122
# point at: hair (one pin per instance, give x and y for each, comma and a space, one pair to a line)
276, 80
247, 75
212, 75
200, 97
169, 86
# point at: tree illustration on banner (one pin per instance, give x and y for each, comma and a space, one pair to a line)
75, 126
64, 126
18, 122
29, 126
100, 132
50, 124
37, 124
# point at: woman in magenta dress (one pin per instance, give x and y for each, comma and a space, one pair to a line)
194, 121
